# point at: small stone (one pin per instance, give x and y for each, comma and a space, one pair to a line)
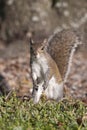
66, 13
10, 2
59, 4
65, 4
35, 19
62, 4
74, 87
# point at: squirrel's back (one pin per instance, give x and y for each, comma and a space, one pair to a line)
54, 70
61, 47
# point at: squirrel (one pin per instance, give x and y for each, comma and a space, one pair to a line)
45, 74
50, 63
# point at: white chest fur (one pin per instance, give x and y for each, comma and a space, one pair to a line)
43, 62
39, 65
35, 70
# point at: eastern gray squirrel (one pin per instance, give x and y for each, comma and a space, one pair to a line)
50, 63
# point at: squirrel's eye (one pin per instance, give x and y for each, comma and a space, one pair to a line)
42, 48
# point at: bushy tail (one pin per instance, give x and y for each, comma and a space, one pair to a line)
61, 47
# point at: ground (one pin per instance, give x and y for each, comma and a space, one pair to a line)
17, 73
14, 56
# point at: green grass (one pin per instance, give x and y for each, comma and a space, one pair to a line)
16, 114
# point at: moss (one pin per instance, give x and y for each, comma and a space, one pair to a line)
16, 114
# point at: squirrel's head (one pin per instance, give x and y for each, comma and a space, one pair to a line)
37, 48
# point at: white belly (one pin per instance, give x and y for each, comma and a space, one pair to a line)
54, 90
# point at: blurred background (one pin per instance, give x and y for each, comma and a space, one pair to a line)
40, 18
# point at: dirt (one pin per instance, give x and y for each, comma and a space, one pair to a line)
14, 57
77, 80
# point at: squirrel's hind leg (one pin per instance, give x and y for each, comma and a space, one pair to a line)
54, 90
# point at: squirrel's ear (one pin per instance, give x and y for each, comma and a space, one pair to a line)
45, 43
31, 41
